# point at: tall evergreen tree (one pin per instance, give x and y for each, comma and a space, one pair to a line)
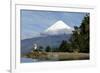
64, 46
80, 36
85, 33
48, 49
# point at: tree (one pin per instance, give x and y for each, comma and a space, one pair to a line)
40, 48
64, 46
85, 33
75, 39
80, 37
48, 49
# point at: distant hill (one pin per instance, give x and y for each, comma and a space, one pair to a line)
50, 40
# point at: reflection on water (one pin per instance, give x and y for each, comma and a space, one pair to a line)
28, 60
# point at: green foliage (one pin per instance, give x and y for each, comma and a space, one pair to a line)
85, 34
80, 36
48, 49
64, 46
79, 40
40, 48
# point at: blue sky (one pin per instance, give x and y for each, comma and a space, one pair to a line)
33, 22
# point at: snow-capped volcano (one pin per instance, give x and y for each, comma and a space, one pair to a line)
58, 28
52, 36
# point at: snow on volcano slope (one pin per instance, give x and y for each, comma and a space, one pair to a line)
58, 28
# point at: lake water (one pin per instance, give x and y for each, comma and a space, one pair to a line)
30, 60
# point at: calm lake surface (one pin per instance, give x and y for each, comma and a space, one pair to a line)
28, 60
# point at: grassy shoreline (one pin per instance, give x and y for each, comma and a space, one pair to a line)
58, 56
